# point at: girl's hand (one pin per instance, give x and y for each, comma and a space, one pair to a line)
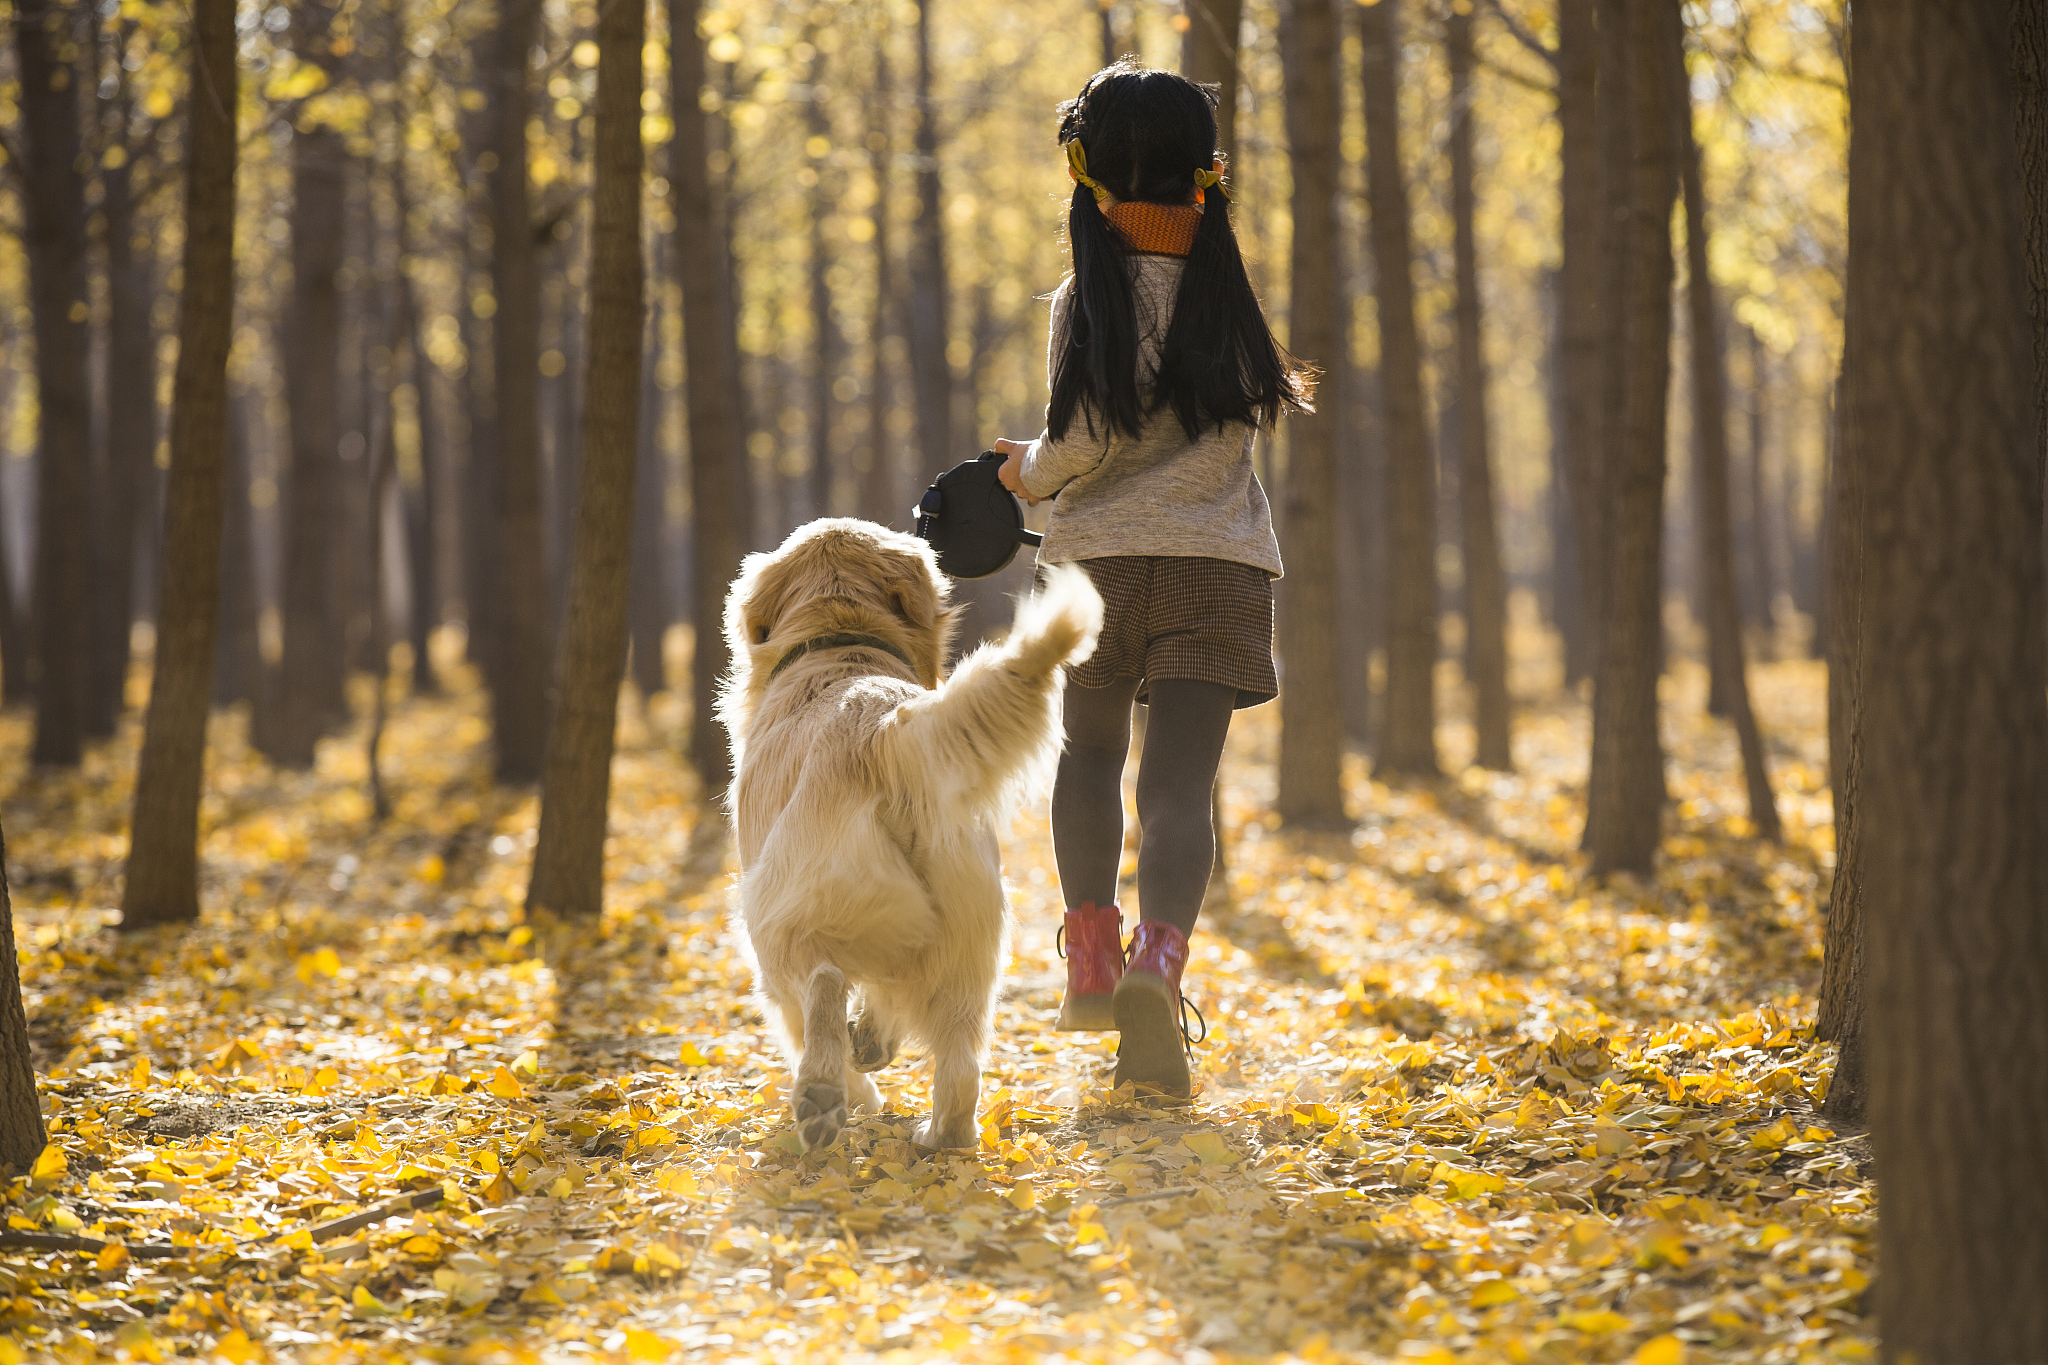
1012, 472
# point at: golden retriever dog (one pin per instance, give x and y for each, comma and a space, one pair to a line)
865, 795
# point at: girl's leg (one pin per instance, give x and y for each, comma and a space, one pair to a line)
1183, 744
1087, 795
1088, 843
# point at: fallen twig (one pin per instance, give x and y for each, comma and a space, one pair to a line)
321, 1232
1174, 1193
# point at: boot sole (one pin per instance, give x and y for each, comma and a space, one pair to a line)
1086, 1014
1150, 1053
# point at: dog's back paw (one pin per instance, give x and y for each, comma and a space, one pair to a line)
820, 1113
871, 1050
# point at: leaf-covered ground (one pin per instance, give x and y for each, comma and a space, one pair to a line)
1455, 1103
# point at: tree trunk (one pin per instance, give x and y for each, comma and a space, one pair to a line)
1625, 786
718, 461
238, 653
568, 860
828, 345
931, 372
1208, 56
1311, 710
17, 663
647, 600
1486, 597
519, 575
1840, 1014
476, 390
1407, 744
1955, 732
130, 450
162, 884
54, 212
1710, 462
311, 673
1763, 571
2030, 111
882, 495
22, 1135
1582, 317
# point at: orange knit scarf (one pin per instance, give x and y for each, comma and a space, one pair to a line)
1155, 229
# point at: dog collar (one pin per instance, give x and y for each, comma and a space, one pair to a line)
838, 642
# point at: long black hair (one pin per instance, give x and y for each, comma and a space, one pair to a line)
1146, 134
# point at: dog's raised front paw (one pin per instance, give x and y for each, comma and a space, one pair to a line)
820, 1113
871, 1051
930, 1136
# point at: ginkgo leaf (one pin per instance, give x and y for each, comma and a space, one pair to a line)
505, 1085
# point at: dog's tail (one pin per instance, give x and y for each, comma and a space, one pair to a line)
996, 718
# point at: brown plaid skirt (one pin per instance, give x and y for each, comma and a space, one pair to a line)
1176, 616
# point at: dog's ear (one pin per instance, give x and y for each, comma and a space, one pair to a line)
917, 595
756, 600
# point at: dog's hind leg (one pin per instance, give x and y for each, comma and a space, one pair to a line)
874, 1042
819, 1093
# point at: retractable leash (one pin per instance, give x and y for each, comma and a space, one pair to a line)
973, 523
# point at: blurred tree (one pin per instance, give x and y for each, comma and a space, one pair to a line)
49, 55
1311, 712
828, 344
423, 486
518, 577
1208, 54
162, 883
568, 860
1625, 786
238, 656
1407, 742
647, 602
718, 460
1582, 324
882, 495
1486, 589
1763, 576
1710, 461
22, 1135
311, 696
931, 369
17, 662
1954, 731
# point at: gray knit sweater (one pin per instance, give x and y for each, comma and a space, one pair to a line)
1157, 493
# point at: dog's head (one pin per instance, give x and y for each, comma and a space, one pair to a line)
834, 576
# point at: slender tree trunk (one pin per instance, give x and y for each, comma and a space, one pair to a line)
476, 389
1710, 462
718, 462
931, 372
238, 655
1624, 789
1582, 315
162, 884
1840, 1014
54, 213
882, 497
421, 503
17, 651
828, 344
1208, 56
1954, 731
1311, 710
1407, 744
130, 451
568, 861
519, 574
1763, 570
22, 1135
1486, 596
2030, 111
648, 598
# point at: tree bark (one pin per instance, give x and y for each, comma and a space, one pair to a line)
519, 574
1625, 786
1955, 731
1710, 462
162, 884
931, 372
647, 600
568, 860
1208, 56
2030, 114
718, 461
882, 497
1311, 711
1407, 744
54, 218
1486, 597
22, 1135
1582, 316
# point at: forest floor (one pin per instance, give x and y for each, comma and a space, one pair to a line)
1455, 1103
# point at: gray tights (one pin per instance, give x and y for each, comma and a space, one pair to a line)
1183, 742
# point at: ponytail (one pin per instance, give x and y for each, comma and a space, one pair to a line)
1095, 369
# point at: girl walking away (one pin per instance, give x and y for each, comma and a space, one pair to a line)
1162, 371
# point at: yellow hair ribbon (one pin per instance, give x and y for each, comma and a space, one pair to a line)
1077, 167
1210, 180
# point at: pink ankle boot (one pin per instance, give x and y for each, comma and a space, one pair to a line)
1094, 949
1146, 1006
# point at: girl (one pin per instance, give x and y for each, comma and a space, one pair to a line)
1162, 371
